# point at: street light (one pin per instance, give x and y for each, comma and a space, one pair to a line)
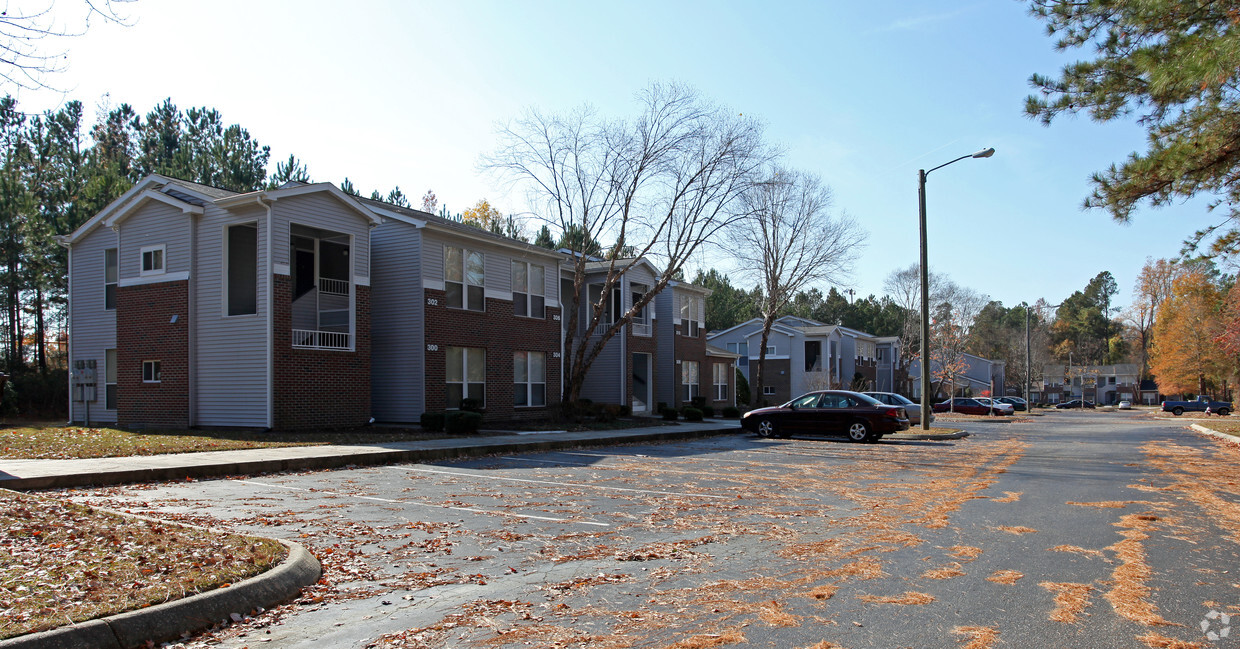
925, 284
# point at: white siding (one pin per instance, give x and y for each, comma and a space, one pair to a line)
231, 352
323, 211
155, 224
398, 350
92, 328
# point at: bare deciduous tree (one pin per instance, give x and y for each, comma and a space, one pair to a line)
789, 240
24, 62
659, 186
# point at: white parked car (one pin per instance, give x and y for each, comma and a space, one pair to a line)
893, 399
1125, 405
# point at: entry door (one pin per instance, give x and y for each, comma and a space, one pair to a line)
642, 384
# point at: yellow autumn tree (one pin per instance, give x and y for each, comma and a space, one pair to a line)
1185, 356
483, 216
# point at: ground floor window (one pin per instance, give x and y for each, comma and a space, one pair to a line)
690, 379
721, 381
466, 375
150, 371
768, 390
529, 370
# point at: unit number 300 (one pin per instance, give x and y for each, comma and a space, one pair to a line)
432, 348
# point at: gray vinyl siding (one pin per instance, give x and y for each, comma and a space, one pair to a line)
155, 224
326, 212
231, 351
605, 382
92, 328
397, 377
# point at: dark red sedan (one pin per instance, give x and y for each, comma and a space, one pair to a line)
858, 417
965, 406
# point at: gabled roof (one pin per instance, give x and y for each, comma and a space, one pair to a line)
621, 263
711, 350
421, 219
122, 202
348, 200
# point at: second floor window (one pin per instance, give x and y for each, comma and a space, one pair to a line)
529, 288
612, 310
152, 260
689, 314
242, 272
110, 273
464, 278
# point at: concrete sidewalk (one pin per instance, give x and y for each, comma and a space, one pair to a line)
51, 474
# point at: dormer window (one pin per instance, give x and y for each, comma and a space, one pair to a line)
153, 260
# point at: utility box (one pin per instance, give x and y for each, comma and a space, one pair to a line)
82, 377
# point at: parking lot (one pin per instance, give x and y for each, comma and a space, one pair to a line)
1079, 529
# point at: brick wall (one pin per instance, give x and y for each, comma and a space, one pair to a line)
145, 332
320, 388
500, 332
778, 375
691, 349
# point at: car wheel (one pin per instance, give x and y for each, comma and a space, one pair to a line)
858, 431
766, 428
1223, 412
1177, 411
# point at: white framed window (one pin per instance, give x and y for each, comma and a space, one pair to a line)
241, 275
611, 311
770, 350
466, 375
689, 315
641, 319
111, 271
689, 378
529, 374
720, 377
768, 390
151, 371
529, 290
109, 379
464, 278
153, 259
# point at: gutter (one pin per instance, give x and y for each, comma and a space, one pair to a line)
261, 198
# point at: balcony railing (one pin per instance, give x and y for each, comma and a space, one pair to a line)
312, 339
333, 286
641, 329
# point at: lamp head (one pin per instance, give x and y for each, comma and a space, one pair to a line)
985, 153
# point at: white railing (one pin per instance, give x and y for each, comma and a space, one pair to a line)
641, 329
333, 286
312, 339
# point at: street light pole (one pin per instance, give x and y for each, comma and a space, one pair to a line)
925, 284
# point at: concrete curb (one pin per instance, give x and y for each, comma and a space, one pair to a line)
171, 620
927, 436
1232, 439
327, 460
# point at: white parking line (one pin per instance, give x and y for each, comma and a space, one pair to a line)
652, 457
432, 505
620, 467
561, 484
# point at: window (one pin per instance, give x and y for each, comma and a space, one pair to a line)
150, 372
242, 271
768, 390
689, 315
529, 288
641, 319
529, 370
813, 356
109, 379
464, 276
611, 310
770, 350
689, 377
879, 353
110, 273
720, 377
1110, 380
466, 375
152, 260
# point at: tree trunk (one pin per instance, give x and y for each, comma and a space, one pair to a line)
40, 331
757, 397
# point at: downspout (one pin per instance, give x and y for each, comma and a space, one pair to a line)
69, 321
191, 315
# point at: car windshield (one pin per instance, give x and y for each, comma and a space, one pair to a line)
899, 398
866, 399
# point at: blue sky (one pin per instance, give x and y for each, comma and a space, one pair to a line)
863, 94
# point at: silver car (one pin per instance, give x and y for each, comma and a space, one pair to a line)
998, 406
893, 399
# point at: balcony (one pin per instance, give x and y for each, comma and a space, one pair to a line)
322, 306
314, 339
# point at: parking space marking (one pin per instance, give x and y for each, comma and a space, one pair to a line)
431, 505
561, 484
652, 457
620, 467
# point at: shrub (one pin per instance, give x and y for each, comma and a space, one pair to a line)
698, 402
669, 414
708, 412
661, 406
691, 413
607, 411
471, 405
731, 411
462, 422
432, 421
32, 393
626, 410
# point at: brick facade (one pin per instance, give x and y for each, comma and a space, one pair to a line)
316, 388
500, 332
145, 332
690, 349
778, 375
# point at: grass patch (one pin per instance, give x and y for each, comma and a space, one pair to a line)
1219, 425
70, 442
63, 563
